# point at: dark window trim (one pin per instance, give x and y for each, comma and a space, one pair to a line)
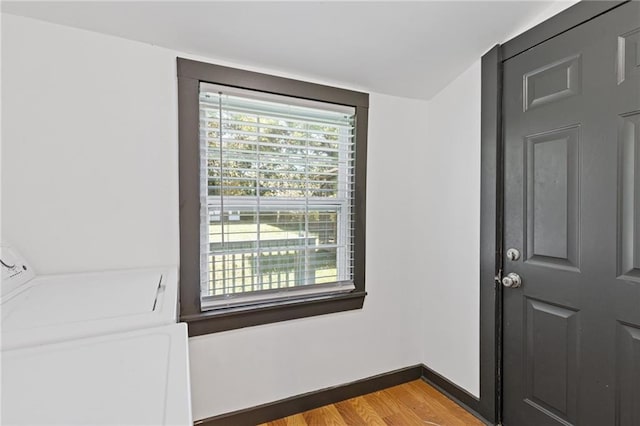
489, 405
190, 74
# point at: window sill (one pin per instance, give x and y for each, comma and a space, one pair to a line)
216, 321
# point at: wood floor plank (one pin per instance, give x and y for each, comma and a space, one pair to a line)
412, 403
314, 417
384, 406
404, 419
417, 405
324, 416
349, 413
367, 412
404, 414
296, 420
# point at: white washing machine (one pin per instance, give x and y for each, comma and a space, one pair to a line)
53, 308
99, 348
133, 378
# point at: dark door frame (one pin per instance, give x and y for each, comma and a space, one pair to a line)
489, 405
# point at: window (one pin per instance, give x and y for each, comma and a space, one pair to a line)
277, 180
272, 198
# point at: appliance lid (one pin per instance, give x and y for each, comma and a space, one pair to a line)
52, 300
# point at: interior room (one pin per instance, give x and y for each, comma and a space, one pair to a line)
309, 213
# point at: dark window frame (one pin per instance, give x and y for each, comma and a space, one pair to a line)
190, 75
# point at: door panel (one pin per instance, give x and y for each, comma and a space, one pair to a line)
629, 197
551, 346
551, 213
571, 117
552, 82
628, 376
628, 55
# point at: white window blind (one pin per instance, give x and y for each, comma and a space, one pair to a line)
277, 188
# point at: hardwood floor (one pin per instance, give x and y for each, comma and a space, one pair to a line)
413, 403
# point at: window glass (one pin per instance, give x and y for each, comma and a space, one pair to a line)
277, 188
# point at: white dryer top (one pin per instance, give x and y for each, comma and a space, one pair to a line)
133, 378
16, 272
52, 308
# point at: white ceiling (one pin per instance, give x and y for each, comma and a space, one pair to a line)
410, 49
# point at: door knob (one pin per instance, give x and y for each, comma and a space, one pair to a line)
512, 280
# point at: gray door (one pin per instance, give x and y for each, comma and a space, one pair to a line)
572, 208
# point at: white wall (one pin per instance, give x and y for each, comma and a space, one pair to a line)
89, 181
89, 149
452, 204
